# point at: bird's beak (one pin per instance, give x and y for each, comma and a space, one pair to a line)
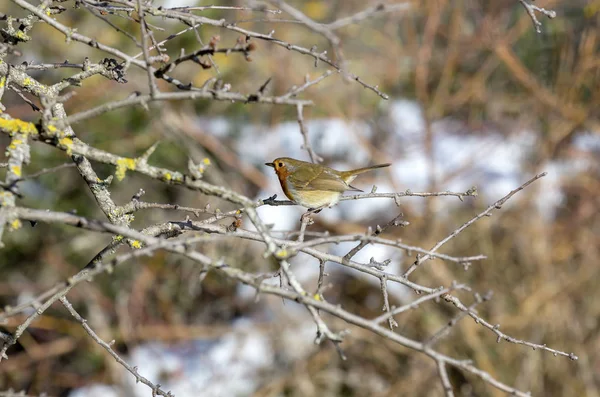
270, 165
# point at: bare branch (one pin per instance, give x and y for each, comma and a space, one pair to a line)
313, 156
144, 29
156, 389
487, 212
531, 9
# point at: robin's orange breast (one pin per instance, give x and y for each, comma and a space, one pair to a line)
286, 191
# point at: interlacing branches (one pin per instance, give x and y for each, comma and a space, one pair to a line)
59, 130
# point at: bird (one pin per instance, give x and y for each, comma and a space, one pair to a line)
315, 186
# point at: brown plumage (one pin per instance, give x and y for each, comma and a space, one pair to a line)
315, 185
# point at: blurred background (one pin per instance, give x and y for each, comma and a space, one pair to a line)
477, 98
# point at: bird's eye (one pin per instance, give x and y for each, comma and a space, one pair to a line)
280, 164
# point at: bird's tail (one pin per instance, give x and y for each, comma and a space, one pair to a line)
365, 169
348, 176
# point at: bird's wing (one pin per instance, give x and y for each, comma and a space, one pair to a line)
319, 178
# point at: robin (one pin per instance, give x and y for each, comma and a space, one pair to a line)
315, 186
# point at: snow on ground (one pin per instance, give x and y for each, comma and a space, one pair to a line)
177, 3
228, 366
96, 390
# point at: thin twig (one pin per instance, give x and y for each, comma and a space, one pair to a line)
445, 330
441, 366
313, 156
149, 69
416, 303
408, 193
496, 206
156, 389
368, 13
531, 9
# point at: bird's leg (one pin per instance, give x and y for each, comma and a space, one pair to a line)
317, 210
311, 211
305, 219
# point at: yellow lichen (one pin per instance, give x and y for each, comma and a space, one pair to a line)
206, 161
2, 81
22, 36
16, 224
16, 169
14, 143
67, 144
27, 81
117, 238
168, 176
123, 165
17, 126
52, 128
282, 253
317, 297
136, 244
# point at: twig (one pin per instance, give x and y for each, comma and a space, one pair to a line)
234, 8
531, 9
149, 69
502, 336
305, 220
207, 50
218, 95
156, 389
368, 13
487, 212
378, 230
108, 22
441, 366
313, 156
470, 193
323, 30
50, 170
294, 91
392, 243
321, 279
386, 303
442, 332
415, 304
171, 37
